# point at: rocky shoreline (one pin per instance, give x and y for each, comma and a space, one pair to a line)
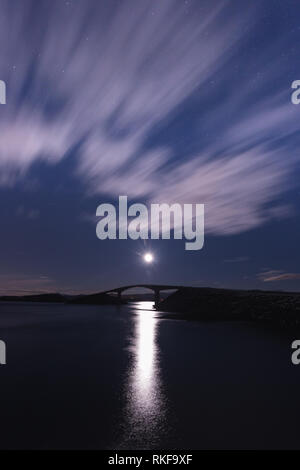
210, 304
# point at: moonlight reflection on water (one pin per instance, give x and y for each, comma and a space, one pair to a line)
145, 414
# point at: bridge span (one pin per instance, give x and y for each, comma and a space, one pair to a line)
156, 288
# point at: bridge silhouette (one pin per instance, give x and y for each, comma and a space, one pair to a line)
156, 288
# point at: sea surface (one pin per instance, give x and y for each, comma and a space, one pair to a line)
109, 377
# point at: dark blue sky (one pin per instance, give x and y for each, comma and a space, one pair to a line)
174, 101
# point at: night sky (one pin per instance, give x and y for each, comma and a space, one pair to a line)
162, 101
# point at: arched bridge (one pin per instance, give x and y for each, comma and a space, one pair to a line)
156, 288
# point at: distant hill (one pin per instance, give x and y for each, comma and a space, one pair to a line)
222, 304
93, 299
34, 298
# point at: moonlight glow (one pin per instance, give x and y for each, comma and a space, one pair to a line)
148, 257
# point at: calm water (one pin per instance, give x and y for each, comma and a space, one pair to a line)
125, 378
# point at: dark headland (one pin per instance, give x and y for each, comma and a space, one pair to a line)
224, 304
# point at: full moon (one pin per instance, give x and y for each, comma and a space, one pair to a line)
148, 257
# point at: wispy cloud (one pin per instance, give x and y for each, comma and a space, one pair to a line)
106, 74
276, 275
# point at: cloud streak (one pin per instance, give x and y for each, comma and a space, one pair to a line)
277, 275
104, 75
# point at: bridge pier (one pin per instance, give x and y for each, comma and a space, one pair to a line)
119, 296
156, 297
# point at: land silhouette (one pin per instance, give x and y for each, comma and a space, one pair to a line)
193, 303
